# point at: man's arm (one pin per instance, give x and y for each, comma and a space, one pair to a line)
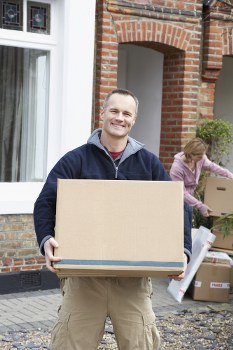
45, 212
45, 206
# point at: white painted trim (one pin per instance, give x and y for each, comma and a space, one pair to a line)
70, 107
78, 72
18, 198
25, 39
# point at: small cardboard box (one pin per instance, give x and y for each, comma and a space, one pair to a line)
219, 195
211, 283
119, 228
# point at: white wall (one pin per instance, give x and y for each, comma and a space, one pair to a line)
141, 70
223, 108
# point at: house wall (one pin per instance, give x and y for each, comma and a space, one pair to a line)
177, 33
18, 247
193, 42
217, 43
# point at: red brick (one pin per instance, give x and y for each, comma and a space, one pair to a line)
18, 262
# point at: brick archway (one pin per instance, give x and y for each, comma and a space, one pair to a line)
151, 31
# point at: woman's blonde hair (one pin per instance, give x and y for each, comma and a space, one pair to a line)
195, 146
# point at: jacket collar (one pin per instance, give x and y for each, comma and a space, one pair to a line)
133, 146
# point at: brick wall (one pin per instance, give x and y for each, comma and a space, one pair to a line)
18, 247
217, 42
193, 40
171, 27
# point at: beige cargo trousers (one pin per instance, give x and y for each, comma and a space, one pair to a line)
87, 301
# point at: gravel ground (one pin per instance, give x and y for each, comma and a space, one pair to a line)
206, 328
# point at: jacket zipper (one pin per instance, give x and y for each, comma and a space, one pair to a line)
116, 171
115, 167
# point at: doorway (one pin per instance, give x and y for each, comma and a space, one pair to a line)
140, 70
223, 107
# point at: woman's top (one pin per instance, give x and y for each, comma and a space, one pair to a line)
180, 171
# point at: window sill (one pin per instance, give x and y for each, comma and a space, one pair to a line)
18, 197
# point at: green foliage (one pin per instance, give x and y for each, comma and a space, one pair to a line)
224, 224
200, 220
218, 134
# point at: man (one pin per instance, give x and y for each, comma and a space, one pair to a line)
109, 154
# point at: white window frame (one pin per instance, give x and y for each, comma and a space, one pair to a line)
70, 91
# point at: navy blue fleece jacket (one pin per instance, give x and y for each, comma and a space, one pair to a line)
93, 161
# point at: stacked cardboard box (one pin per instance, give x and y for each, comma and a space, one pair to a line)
119, 228
212, 280
219, 197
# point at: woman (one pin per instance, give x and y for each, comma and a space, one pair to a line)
187, 167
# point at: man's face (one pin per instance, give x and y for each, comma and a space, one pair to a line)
119, 115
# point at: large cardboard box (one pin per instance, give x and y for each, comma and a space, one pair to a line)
211, 283
119, 228
219, 195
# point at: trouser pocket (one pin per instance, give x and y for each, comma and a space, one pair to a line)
151, 334
60, 332
136, 331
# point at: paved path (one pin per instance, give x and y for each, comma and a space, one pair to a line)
33, 310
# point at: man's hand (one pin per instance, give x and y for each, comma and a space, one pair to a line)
49, 246
181, 276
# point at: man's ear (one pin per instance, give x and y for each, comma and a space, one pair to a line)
102, 115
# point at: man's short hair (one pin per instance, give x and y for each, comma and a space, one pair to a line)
121, 92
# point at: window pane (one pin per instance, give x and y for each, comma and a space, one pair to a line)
11, 14
38, 17
24, 77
